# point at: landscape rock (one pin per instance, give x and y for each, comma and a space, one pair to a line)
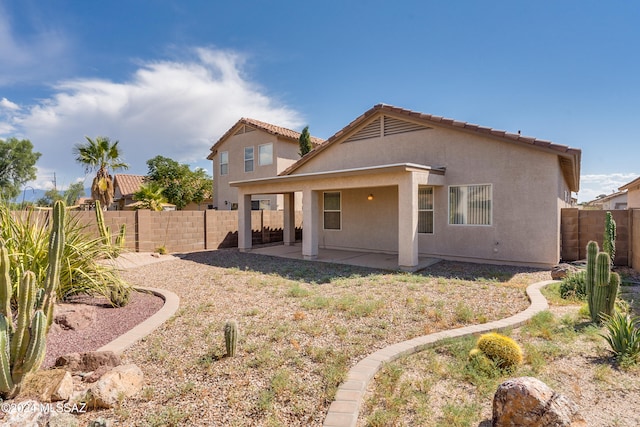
62, 419
25, 413
121, 382
74, 316
89, 361
47, 386
94, 376
528, 402
561, 271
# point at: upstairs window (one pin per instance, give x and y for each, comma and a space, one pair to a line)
265, 154
470, 204
425, 210
332, 210
224, 162
248, 159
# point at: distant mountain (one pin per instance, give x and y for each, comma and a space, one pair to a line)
33, 195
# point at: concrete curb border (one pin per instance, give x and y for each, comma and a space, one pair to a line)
141, 330
345, 408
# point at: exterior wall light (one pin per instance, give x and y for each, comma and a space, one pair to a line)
370, 197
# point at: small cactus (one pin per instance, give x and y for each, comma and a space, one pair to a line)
119, 296
500, 349
231, 337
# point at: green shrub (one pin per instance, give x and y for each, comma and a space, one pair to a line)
500, 349
623, 336
82, 271
573, 286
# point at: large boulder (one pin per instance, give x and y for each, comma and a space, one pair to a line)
47, 385
528, 402
89, 361
74, 316
561, 271
121, 382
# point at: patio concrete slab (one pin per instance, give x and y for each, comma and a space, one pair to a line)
336, 256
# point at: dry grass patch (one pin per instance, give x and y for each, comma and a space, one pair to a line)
302, 326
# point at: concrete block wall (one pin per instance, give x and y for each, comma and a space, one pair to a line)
179, 231
634, 237
579, 226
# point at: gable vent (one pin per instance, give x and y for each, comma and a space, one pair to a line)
394, 126
244, 129
372, 130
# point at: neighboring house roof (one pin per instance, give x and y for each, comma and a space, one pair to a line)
602, 200
289, 134
631, 185
569, 157
128, 184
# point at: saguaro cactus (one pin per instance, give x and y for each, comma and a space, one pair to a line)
601, 284
22, 347
231, 337
609, 238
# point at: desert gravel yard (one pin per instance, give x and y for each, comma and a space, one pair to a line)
303, 325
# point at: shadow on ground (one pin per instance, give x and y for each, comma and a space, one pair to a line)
322, 272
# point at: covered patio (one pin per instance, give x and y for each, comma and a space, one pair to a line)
396, 217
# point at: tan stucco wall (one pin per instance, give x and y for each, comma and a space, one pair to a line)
635, 243
633, 198
284, 154
526, 214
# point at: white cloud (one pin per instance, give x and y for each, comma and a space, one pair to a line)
594, 185
170, 108
8, 105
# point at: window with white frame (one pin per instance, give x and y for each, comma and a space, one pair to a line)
265, 154
224, 162
332, 210
248, 159
470, 204
425, 210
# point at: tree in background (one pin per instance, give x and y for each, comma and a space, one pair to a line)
305, 141
181, 185
100, 155
150, 196
70, 195
17, 166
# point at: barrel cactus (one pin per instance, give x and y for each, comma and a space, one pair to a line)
500, 349
601, 284
22, 346
231, 337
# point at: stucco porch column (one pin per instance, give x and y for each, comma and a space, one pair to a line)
244, 222
309, 224
408, 223
289, 228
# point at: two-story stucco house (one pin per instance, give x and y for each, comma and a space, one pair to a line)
402, 182
252, 149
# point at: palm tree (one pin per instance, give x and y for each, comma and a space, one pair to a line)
100, 155
149, 196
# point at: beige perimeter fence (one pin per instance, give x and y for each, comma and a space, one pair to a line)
579, 226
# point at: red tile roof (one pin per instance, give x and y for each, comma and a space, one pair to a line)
128, 184
570, 157
292, 135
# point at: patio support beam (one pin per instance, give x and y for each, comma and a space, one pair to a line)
310, 224
408, 222
289, 226
244, 222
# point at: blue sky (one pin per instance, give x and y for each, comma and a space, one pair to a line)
170, 77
